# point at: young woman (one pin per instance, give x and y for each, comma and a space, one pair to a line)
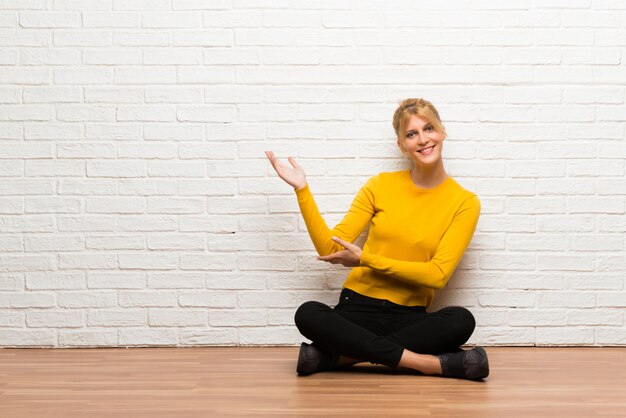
422, 221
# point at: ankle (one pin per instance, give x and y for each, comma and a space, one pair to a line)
347, 361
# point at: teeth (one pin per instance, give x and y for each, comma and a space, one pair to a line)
426, 149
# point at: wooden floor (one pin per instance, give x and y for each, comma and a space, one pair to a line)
261, 381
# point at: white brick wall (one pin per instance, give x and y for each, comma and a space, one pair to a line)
137, 206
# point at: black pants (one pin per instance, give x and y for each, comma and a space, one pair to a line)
378, 331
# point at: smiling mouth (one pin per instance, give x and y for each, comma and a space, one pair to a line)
427, 150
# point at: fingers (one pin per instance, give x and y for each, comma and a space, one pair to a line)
271, 157
331, 258
293, 162
344, 244
275, 161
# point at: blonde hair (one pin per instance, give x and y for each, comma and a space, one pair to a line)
420, 107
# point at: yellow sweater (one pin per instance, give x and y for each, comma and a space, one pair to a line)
416, 239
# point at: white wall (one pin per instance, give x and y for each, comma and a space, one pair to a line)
136, 206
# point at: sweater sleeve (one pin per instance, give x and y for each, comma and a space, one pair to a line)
353, 223
436, 272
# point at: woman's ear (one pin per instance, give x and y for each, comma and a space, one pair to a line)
401, 146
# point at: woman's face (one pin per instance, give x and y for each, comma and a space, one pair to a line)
421, 143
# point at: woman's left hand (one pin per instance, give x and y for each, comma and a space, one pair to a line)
350, 257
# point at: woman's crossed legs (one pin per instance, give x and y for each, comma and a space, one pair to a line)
384, 333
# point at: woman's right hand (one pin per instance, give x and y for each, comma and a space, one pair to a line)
295, 176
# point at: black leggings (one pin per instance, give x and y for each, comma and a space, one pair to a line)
378, 331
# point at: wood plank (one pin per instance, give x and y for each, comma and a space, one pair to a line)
261, 381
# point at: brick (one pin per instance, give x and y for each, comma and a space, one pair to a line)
41, 19
207, 299
9, 206
611, 299
12, 319
507, 261
201, 5
85, 150
44, 262
171, 20
169, 132
87, 260
277, 335
176, 94
81, 5
238, 318
27, 300
11, 281
110, 20
116, 169
235, 280
595, 318
148, 337
210, 223
115, 243
236, 205
173, 56
561, 261
211, 261
177, 318
536, 318
113, 131
175, 205
176, 280
143, 75
561, 336
566, 299
203, 38
142, 39
610, 336
209, 187
50, 57
111, 57
252, 299
118, 318
55, 319
57, 242
92, 337
148, 223
225, 56
49, 131
148, 261
116, 280
146, 187
86, 223
176, 242
142, 5
593, 281
210, 337
205, 113
147, 298
85, 38
505, 298
10, 96
52, 205
83, 76
92, 187
185, 169
146, 113
28, 338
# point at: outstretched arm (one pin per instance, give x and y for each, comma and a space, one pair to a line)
353, 223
